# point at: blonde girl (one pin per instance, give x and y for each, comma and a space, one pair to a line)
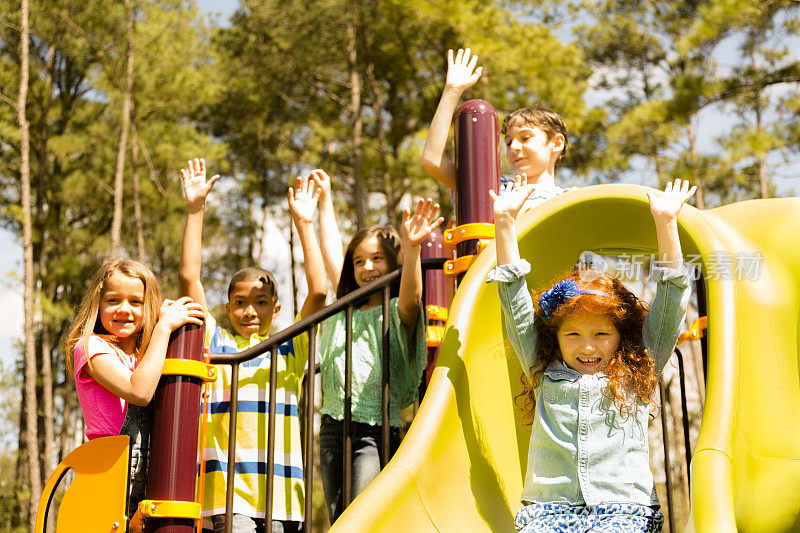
115, 351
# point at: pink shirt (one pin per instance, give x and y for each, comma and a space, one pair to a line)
103, 411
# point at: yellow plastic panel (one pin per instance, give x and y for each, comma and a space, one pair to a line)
461, 466
96, 500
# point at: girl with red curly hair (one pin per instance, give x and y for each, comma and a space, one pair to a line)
591, 352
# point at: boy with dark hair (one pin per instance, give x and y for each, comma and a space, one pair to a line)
535, 137
252, 306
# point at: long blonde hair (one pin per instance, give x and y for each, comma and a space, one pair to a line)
86, 322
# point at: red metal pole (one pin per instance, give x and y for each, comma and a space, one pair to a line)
173, 442
477, 138
435, 288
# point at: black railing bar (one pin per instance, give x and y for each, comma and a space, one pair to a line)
302, 326
667, 464
685, 413
385, 429
271, 344
233, 404
317, 368
347, 459
308, 459
430, 263
702, 310
273, 379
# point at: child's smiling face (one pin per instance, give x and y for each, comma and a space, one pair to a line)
369, 261
251, 308
587, 342
121, 309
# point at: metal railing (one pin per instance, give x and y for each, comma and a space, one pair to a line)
309, 324
666, 440
347, 304
700, 291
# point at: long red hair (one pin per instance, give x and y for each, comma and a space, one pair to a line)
631, 371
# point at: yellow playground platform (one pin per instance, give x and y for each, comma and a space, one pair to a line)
462, 464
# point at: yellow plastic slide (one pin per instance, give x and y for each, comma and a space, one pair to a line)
462, 464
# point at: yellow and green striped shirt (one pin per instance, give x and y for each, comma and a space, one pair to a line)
250, 483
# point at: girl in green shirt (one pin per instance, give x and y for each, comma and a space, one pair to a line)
372, 253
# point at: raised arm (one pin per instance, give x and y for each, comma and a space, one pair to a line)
329, 236
195, 189
507, 205
461, 74
302, 203
416, 228
663, 322
515, 298
665, 207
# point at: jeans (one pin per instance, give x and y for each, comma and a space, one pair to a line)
366, 459
556, 517
137, 424
245, 524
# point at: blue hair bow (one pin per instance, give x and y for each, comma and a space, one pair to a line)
552, 299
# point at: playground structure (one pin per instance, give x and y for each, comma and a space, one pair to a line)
462, 464
467, 437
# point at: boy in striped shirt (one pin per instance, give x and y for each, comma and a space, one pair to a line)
252, 305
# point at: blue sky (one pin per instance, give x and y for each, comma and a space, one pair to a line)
10, 295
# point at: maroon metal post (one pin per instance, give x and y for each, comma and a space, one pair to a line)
435, 288
477, 138
173, 443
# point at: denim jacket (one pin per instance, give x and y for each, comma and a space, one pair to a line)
582, 450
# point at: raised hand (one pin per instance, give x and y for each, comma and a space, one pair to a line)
175, 313
667, 204
303, 199
195, 185
461, 71
418, 225
321, 178
511, 197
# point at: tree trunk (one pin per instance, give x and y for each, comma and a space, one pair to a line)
48, 411
383, 152
355, 110
699, 198
67, 423
40, 265
21, 501
34, 472
137, 200
761, 163
657, 165
293, 267
119, 173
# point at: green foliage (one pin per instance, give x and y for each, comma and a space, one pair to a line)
77, 64
286, 104
11, 490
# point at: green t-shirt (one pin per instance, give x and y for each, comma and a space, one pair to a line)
408, 361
